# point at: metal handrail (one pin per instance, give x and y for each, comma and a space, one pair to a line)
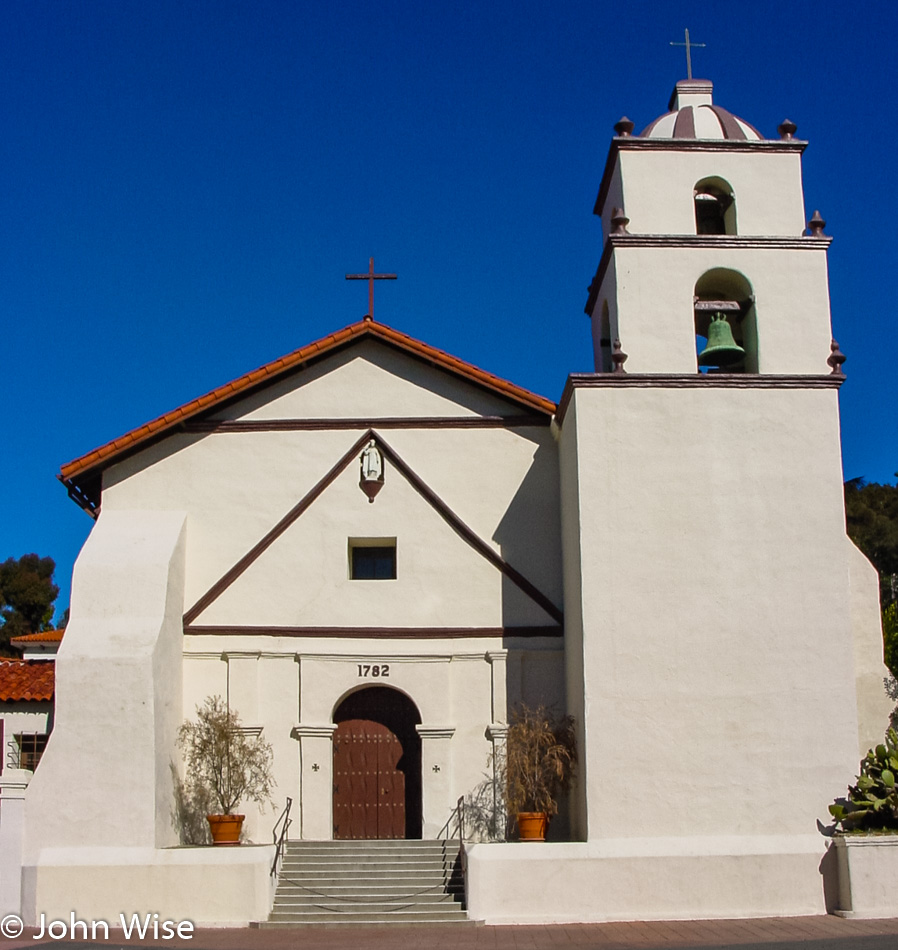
458, 813
280, 838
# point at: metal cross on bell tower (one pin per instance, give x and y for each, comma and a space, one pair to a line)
689, 45
371, 277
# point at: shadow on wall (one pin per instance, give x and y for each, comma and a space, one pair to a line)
529, 539
829, 870
485, 811
190, 810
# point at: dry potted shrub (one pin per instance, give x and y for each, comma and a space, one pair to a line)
226, 764
540, 763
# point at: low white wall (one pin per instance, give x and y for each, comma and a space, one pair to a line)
646, 879
221, 886
868, 875
13, 784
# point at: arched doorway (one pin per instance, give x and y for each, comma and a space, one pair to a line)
377, 766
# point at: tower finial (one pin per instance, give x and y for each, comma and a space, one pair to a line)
689, 45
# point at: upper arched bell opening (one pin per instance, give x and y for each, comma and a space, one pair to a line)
715, 207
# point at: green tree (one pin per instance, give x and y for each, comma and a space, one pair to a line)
890, 637
27, 595
871, 512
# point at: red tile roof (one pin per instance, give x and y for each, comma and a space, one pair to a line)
77, 473
45, 636
26, 680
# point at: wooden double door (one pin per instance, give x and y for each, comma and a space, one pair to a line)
377, 767
369, 791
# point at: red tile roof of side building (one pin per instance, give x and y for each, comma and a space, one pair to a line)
44, 636
89, 465
26, 680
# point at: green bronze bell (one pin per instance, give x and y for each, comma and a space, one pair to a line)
722, 349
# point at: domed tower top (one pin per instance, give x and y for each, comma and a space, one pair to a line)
693, 115
701, 212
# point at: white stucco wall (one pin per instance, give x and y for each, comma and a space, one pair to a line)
118, 690
652, 288
717, 634
211, 886
656, 189
367, 381
704, 548
292, 686
873, 702
236, 486
118, 698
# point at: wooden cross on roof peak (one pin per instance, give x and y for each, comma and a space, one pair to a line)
689, 45
371, 277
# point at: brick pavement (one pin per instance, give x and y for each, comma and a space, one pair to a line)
788, 933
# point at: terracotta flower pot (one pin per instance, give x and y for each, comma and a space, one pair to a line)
532, 825
225, 828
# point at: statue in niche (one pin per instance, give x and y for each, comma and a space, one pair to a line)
372, 470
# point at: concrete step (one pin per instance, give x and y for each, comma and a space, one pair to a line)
446, 903
285, 901
366, 916
354, 867
406, 847
342, 887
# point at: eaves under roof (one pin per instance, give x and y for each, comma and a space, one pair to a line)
82, 475
43, 636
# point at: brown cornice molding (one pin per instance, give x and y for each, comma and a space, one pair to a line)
691, 381
736, 241
377, 633
596, 282
633, 143
397, 422
718, 241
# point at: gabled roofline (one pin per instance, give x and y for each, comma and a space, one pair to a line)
82, 475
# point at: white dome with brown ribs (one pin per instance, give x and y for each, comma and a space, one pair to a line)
693, 115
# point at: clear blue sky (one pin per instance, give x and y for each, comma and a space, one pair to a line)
184, 185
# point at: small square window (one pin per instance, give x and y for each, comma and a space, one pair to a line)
372, 559
30, 749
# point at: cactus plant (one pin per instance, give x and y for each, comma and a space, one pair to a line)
872, 803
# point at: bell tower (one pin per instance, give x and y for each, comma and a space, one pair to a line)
704, 225
720, 627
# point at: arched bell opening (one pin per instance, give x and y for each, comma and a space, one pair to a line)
715, 207
726, 336
605, 363
377, 765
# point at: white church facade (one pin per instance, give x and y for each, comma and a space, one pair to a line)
662, 554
